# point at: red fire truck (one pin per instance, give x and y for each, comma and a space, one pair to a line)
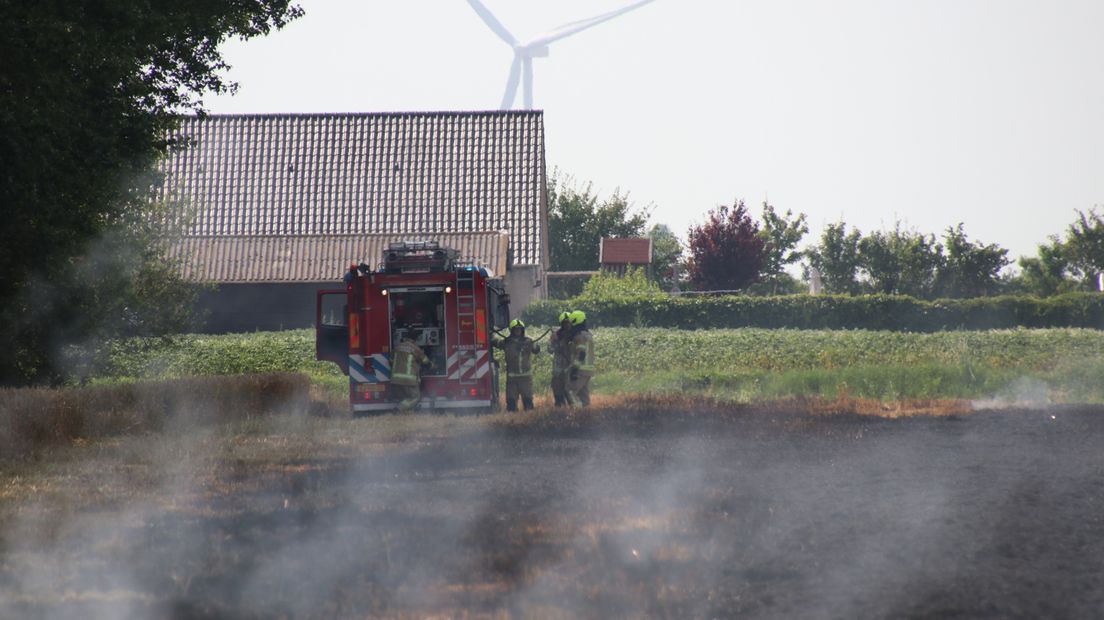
426, 292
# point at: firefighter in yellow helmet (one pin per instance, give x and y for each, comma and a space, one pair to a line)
518, 350
560, 344
582, 361
406, 371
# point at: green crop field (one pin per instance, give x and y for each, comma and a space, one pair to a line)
1059, 365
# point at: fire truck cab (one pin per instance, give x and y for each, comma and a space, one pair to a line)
423, 291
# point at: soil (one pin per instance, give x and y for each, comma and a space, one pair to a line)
757, 514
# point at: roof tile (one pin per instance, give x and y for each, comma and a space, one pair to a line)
357, 174
315, 258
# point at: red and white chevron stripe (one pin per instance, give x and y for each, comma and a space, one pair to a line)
468, 365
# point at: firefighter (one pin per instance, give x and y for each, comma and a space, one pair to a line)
519, 350
581, 350
561, 359
406, 372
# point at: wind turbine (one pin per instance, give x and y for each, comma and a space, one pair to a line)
526, 51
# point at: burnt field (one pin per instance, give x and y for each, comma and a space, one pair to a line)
702, 512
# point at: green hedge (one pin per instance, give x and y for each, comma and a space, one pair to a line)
874, 312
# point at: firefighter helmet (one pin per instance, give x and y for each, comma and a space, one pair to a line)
565, 316
517, 323
577, 317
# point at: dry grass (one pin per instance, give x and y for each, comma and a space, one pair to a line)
675, 416
630, 410
892, 409
32, 419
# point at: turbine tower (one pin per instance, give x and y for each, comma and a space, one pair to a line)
537, 47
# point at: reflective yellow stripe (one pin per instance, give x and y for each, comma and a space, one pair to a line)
587, 364
404, 365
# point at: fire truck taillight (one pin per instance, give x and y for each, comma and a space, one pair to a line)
473, 392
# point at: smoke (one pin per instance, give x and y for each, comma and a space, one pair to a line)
99, 554
118, 284
1024, 393
758, 515
712, 526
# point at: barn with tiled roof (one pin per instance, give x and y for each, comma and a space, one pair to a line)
278, 205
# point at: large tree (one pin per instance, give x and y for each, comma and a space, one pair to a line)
578, 219
781, 234
1072, 264
90, 91
969, 268
727, 251
900, 262
1047, 273
1085, 246
836, 258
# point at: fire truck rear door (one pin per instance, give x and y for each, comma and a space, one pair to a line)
331, 328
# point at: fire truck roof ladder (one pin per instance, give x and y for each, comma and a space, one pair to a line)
465, 319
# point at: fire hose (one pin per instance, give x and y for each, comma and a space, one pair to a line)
535, 340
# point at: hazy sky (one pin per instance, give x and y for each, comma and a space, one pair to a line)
931, 112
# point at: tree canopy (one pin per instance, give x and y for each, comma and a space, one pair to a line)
578, 220
1085, 245
837, 258
906, 262
90, 93
727, 252
969, 268
1071, 264
780, 234
900, 262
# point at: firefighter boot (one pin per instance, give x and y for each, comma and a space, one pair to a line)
410, 399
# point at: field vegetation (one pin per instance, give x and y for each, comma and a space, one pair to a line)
1046, 365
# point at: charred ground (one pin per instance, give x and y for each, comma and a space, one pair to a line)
699, 511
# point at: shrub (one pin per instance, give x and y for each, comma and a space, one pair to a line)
562, 286
634, 283
873, 312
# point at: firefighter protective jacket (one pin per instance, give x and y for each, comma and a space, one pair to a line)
519, 355
406, 369
582, 352
561, 351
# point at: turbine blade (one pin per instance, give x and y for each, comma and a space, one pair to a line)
493, 23
571, 28
511, 84
528, 74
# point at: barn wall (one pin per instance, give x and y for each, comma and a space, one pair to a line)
524, 286
230, 308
